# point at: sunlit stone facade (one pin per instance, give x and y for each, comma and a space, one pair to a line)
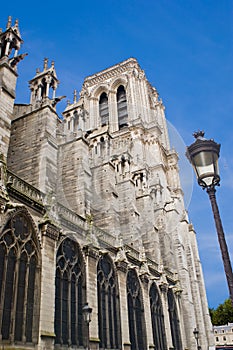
92, 212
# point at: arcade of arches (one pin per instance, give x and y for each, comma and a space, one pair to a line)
20, 294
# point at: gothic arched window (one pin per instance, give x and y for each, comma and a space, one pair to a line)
108, 305
135, 312
19, 278
122, 107
157, 319
103, 109
70, 296
174, 321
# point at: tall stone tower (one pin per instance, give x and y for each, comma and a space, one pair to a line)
134, 173
10, 42
92, 211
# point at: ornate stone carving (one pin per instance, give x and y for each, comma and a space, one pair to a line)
112, 72
121, 253
90, 250
48, 229
3, 191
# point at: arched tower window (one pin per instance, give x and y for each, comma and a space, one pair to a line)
108, 305
19, 281
103, 109
122, 107
174, 321
135, 312
157, 319
69, 295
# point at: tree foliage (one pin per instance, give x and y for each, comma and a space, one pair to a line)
223, 314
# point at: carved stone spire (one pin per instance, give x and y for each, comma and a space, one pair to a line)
9, 22
42, 84
75, 96
10, 40
45, 64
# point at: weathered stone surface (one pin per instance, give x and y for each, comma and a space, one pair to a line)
112, 189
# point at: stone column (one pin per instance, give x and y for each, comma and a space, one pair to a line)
146, 299
92, 256
164, 288
47, 89
132, 99
49, 237
93, 112
113, 117
122, 275
16, 52
54, 90
178, 292
7, 50
39, 97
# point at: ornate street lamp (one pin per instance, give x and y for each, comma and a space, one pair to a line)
87, 310
196, 336
203, 155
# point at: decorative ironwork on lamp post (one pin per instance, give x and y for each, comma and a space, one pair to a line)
196, 336
203, 155
87, 310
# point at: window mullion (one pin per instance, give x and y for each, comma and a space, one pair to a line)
36, 305
14, 298
100, 314
157, 325
61, 294
25, 304
69, 310
116, 320
134, 312
3, 292
107, 317
112, 320
76, 312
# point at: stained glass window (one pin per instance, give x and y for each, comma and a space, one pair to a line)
135, 312
108, 305
18, 270
69, 295
157, 319
174, 321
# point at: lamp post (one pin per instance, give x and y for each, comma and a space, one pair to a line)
196, 336
87, 319
203, 155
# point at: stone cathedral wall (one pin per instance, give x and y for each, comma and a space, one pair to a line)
92, 211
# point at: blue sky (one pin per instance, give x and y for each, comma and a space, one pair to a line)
186, 50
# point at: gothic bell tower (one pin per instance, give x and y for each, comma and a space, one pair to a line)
10, 42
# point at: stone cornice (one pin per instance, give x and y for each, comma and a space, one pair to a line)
50, 230
90, 250
111, 72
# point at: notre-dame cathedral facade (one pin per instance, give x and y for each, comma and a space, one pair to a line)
92, 211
